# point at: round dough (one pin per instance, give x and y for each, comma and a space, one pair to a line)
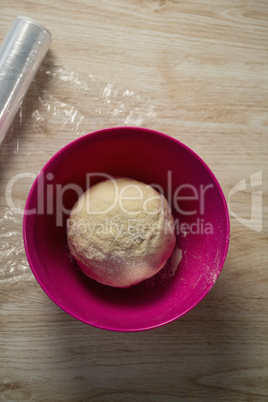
121, 231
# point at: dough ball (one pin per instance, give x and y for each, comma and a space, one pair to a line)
121, 231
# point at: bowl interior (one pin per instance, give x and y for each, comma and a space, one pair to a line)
198, 205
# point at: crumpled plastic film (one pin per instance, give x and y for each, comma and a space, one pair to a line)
60, 106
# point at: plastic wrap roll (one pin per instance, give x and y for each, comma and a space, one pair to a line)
21, 54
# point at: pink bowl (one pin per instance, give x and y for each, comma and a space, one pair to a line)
199, 209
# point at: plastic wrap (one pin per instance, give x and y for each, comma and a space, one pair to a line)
21, 54
60, 105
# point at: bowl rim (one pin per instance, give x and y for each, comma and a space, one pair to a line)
85, 137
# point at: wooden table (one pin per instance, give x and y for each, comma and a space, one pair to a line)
196, 70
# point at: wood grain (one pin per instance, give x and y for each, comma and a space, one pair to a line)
203, 67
